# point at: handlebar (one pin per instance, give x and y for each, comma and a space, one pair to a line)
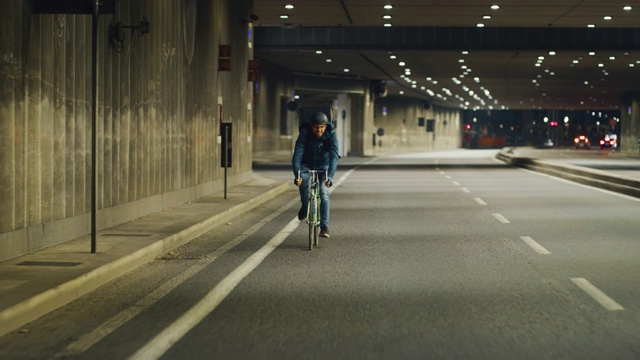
328, 181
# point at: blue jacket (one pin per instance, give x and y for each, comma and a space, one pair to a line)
314, 153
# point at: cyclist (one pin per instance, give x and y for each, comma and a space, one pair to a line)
316, 149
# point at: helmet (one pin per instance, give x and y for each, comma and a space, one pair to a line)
319, 118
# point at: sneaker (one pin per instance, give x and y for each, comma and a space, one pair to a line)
324, 232
302, 214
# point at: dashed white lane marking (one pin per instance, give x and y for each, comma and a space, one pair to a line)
456, 183
501, 218
534, 245
465, 190
159, 345
604, 300
441, 172
448, 177
480, 201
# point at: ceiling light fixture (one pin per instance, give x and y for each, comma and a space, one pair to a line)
387, 17
284, 16
627, 8
288, 6
480, 25
607, 17
591, 26
495, 7
388, 7
487, 17
387, 25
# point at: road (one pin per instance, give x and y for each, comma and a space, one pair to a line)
447, 255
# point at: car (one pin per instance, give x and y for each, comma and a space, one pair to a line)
582, 142
609, 141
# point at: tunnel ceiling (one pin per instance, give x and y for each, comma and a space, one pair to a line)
533, 54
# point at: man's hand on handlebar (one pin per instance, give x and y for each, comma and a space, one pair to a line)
298, 181
328, 182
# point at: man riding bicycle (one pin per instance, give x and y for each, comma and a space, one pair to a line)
316, 149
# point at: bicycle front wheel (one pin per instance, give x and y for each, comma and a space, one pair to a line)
311, 216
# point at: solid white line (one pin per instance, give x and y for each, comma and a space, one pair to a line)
465, 190
597, 295
628, 197
534, 245
501, 218
91, 338
174, 332
480, 201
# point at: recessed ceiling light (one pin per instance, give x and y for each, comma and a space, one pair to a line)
495, 7
487, 17
318, 51
392, 57
627, 8
465, 52
387, 17
480, 25
552, 53
346, 70
612, 57
288, 6
284, 16
591, 26
388, 7
328, 60
387, 25
592, 53
401, 63
607, 17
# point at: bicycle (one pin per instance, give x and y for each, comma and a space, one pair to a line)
313, 206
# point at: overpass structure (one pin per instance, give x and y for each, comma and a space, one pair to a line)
170, 75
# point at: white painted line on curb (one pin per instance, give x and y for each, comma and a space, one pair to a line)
501, 218
597, 294
464, 189
534, 245
480, 201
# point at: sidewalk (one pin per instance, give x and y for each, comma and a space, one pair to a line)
35, 284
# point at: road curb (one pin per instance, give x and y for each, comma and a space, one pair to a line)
41, 304
585, 176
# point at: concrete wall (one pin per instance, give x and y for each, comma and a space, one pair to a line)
403, 131
158, 116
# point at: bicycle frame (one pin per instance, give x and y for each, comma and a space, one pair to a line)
313, 206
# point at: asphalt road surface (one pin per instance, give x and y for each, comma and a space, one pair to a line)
445, 255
